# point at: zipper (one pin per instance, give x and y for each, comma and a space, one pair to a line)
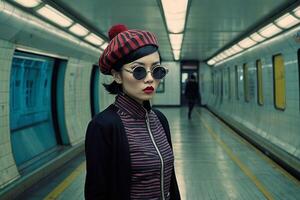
160, 156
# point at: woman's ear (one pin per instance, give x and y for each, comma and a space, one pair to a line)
116, 76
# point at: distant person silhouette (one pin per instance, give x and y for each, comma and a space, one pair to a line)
191, 93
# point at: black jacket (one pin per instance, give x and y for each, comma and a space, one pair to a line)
192, 90
108, 159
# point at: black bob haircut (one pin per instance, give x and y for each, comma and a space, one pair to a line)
114, 87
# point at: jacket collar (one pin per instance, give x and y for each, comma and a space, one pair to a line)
132, 107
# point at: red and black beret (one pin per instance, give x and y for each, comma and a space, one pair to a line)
122, 43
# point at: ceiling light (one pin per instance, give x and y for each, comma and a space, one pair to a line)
269, 30
220, 58
55, 16
229, 52
176, 41
42, 25
94, 39
246, 43
175, 14
256, 37
176, 54
211, 62
223, 55
287, 21
216, 59
236, 48
103, 46
28, 3
78, 30
296, 11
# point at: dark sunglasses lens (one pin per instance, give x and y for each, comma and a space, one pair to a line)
159, 72
139, 73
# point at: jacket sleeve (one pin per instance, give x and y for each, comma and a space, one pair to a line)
98, 167
174, 190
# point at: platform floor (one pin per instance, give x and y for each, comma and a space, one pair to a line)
211, 162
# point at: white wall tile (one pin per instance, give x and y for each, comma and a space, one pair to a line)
171, 95
281, 127
8, 169
77, 98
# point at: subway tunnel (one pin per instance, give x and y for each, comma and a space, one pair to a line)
242, 138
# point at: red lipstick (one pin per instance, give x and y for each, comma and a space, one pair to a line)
148, 90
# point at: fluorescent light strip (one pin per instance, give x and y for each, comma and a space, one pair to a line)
218, 57
246, 43
296, 11
28, 3
269, 30
223, 55
175, 14
78, 30
41, 24
103, 46
287, 21
55, 16
176, 54
94, 39
236, 48
211, 62
256, 37
284, 22
176, 41
229, 52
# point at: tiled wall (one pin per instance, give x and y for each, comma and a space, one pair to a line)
77, 107
77, 99
171, 94
205, 83
105, 98
8, 169
280, 127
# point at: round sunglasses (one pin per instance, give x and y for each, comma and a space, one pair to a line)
140, 72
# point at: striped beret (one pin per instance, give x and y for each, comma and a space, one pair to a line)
122, 43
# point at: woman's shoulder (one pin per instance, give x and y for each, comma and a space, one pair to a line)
107, 117
102, 127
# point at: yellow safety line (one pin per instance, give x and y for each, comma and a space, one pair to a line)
243, 167
263, 156
65, 183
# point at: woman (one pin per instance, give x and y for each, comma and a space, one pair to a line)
128, 146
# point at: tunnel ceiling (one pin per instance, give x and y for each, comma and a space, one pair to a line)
210, 25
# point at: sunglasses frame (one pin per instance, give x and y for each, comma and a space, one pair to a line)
151, 71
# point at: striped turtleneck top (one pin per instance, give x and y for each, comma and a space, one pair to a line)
151, 156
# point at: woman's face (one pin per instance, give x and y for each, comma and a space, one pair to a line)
144, 89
